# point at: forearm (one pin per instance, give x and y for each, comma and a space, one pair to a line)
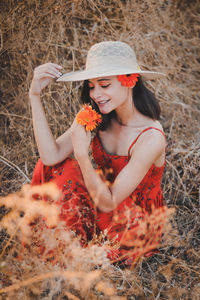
97, 188
47, 146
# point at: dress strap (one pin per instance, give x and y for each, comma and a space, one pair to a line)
148, 128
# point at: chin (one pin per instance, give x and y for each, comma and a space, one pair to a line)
105, 111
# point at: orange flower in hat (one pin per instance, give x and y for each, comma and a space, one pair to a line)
88, 117
128, 80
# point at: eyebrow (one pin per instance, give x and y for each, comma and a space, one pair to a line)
103, 79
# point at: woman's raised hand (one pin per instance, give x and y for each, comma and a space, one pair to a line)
43, 74
80, 139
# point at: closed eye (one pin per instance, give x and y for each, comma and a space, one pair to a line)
105, 86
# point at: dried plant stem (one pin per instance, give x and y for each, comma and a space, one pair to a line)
15, 167
1, 38
180, 180
66, 274
10, 238
14, 115
71, 296
188, 268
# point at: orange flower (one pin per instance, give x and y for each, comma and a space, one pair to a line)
88, 117
128, 80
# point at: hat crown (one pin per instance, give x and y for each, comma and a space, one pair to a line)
110, 54
111, 48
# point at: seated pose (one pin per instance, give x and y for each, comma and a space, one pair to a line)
115, 191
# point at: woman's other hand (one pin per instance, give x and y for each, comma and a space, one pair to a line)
80, 139
42, 76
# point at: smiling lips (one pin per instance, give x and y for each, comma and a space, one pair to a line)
103, 102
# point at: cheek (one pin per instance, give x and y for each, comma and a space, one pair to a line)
121, 94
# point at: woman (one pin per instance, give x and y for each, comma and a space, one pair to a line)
128, 148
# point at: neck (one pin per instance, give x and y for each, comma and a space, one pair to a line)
128, 115
135, 120
126, 111
132, 118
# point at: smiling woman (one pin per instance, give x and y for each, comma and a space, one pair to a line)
129, 148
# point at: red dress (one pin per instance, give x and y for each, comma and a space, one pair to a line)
77, 209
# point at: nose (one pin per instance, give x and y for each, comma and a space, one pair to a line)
96, 93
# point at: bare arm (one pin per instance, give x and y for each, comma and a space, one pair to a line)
51, 151
148, 149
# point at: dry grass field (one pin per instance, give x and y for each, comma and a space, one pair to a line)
165, 36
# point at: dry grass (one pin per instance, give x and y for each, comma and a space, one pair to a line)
40, 249
165, 36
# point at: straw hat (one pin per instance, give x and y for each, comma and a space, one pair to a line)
107, 59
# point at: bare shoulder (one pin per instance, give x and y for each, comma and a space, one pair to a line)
152, 138
152, 134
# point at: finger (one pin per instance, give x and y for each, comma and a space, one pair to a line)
57, 66
48, 67
48, 70
53, 66
54, 71
50, 64
44, 75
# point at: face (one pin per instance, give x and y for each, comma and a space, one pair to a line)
108, 93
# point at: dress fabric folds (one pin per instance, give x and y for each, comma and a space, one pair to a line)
77, 208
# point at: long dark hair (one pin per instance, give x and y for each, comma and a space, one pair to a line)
143, 99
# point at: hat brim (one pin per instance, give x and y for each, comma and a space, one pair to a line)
95, 73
